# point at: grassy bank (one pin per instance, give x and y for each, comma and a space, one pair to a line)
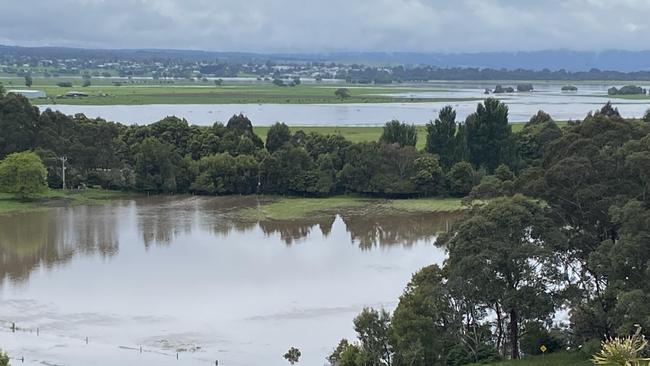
553, 359
57, 197
290, 208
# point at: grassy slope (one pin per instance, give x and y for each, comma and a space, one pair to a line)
53, 197
553, 359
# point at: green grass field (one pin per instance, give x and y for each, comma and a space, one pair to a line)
138, 92
553, 359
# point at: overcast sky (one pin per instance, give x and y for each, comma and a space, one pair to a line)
332, 25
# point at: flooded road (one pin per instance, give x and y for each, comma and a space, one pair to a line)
185, 275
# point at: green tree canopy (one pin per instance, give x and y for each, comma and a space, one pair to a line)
292, 355
489, 136
278, 135
23, 175
396, 132
441, 137
502, 256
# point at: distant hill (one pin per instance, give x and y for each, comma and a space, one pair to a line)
614, 60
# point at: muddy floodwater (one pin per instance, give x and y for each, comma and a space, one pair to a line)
185, 276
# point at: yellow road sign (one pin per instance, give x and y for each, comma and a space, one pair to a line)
543, 348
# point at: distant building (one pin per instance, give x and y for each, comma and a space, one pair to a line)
29, 94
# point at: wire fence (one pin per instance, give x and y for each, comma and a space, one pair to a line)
16, 328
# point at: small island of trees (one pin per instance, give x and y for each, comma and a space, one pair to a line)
626, 90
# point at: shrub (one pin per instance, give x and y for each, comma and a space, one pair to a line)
623, 351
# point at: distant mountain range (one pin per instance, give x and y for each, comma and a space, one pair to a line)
613, 60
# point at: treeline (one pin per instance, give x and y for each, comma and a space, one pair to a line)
558, 256
382, 75
171, 156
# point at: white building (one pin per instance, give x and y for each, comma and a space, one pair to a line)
29, 94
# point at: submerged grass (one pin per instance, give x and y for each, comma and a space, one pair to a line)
296, 208
426, 204
293, 208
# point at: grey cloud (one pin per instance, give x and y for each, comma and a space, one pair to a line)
334, 25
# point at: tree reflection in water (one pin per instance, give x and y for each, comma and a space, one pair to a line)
53, 237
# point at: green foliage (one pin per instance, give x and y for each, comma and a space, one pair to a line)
441, 137
489, 136
223, 174
342, 93
490, 187
64, 84
28, 81
525, 87
428, 175
626, 90
535, 334
277, 136
536, 136
23, 175
461, 179
292, 355
372, 330
4, 359
399, 133
424, 329
501, 256
351, 356
156, 166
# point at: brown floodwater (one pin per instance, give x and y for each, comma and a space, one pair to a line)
187, 275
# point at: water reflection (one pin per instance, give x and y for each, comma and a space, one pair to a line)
51, 237
48, 238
